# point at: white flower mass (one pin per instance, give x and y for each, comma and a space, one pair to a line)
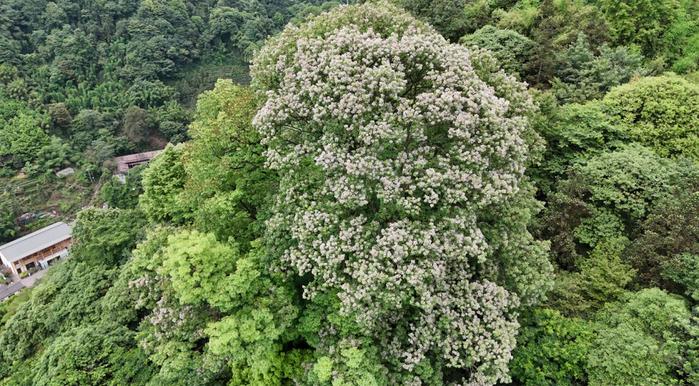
390, 147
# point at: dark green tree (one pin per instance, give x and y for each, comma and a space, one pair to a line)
582, 75
106, 236
512, 50
163, 183
646, 339
552, 349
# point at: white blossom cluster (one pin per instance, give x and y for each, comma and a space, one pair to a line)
388, 146
140, 289
167, 319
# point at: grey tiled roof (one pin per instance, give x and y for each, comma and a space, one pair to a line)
8, 290
36, 241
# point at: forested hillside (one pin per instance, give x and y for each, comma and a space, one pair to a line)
451, 192
84, 81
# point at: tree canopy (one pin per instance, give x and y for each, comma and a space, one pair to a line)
380, 193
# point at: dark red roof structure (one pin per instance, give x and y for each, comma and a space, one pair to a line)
126, 162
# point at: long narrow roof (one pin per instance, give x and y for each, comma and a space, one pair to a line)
36, 241
8, 290
125, 162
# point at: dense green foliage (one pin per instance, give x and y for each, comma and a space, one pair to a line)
660, 112
645, 339
82, 82
382, 206
511, 49
552, 349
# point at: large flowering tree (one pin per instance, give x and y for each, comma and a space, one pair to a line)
402, 203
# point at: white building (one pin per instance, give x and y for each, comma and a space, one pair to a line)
38, 249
